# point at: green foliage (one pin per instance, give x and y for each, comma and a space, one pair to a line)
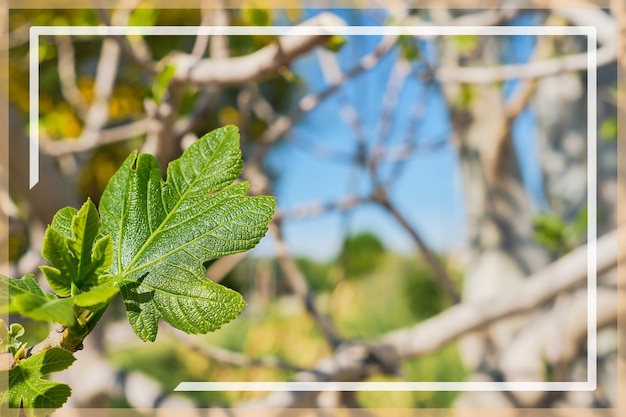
361, 253
163, 232
28, 389
608, 129
408, 48
9, 339
556, 234
256, 17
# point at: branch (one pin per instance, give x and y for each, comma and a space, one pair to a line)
442, 278
105, 136
283, 124
298, 285
67, 76
255, 67
562, 275
229, 357
576, 62
319, 208
137, 52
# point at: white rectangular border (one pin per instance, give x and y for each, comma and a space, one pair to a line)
423, 31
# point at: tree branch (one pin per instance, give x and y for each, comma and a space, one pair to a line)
442, 278
257, 66
299, 286
562, 275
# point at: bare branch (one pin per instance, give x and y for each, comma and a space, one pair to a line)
606, 54
105, 136
260, 65
397, 78
136, 51
67, 75
284, 123
442, 278
299, 286
222, 266
332, 73
228, 357
202, 40
317, 209
562, 275
219, 43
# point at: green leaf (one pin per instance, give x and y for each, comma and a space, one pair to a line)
28, 389
162, 81
163, 233
77, 258
99, 295
29, 300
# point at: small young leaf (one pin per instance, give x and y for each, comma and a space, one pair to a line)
70, 245
29, 300
41, 308
97, 296
28, 389
163, 232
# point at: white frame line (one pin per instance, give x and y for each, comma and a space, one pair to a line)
423, 31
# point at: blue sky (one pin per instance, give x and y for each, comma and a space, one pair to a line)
429, 190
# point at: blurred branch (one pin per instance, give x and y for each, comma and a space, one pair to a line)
257, 66
219, 43
562, 275
397, 78
284, 123
222, 266
226, 356
105, 136
317, 209
136, 51
202, 39
67, 76
298, 285
537, 69
442, 278
52, 192
162, 141
606, 54
333, 74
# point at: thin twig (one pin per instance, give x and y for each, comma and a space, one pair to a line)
284, 123
67, 76
442, 278
299, 286
229, 357
105, 136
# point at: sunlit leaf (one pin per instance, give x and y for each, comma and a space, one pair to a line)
163, 233
28, 389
